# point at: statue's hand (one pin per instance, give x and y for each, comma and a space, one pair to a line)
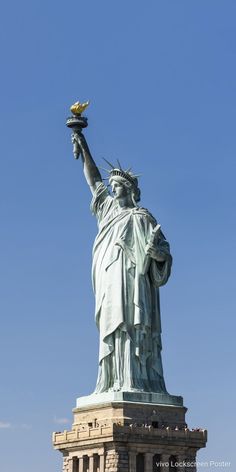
154, 253
79, 144
79, 138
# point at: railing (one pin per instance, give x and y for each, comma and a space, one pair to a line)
85, 432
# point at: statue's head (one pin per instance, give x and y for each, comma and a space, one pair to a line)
124, 183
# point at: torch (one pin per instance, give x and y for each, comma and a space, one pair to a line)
77, 122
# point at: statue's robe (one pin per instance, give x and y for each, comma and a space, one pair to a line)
127, 308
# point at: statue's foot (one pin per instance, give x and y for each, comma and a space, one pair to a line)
116, 387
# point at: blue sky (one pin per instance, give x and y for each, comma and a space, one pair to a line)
161, 79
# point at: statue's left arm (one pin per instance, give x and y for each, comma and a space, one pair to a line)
161, 260
155, 252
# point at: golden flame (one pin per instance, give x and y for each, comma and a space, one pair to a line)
78, 107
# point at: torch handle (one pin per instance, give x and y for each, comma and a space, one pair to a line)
76, 146
76, 150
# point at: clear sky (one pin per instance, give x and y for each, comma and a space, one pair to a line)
161, 79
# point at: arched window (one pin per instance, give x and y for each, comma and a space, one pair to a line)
85, 463
75, 464
96, 463
140, 462
173, 464
156, 463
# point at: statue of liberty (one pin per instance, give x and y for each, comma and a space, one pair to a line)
131, 260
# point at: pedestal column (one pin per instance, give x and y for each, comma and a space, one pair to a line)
81, 464
91, 463
101, 463
132, 461
148, 464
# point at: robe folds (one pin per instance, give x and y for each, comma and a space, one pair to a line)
127, 310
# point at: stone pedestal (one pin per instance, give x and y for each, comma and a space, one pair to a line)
129, 437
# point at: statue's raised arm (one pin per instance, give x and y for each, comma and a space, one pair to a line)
91, 172
80, 147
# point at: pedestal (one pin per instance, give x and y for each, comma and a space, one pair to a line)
126, 436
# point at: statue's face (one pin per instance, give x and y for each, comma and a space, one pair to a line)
119, 189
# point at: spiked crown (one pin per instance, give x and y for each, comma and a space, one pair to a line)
125, 174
